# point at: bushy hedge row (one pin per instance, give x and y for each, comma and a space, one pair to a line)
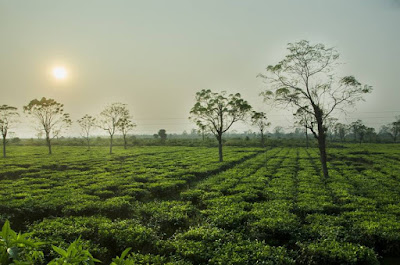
76, 183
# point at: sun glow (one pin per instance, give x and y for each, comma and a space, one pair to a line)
59, 72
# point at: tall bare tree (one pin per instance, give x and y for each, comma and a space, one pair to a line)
51, 117
87, 123
110, 117
260, 120
218, 112
8, 115
125, 125
305, 79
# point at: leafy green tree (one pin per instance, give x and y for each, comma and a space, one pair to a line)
163, 135
260, 120
125, 125
87, 123
110, 117
370, 133
218, 112
51, 117
305, 79
7, 118
394, 129
279, 131
359, 130
341, 130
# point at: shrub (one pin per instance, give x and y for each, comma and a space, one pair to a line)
168, 216
211, 245
332, 252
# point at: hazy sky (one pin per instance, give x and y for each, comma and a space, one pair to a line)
155, 55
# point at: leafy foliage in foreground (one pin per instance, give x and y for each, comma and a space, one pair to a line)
17, 248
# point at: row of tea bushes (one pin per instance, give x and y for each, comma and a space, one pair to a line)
84, 184
199, 245
278, 203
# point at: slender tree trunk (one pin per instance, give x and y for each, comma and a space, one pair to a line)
48, 144
264, 146
4, 145
323, 158
111, 143
124, 141
262, 139
219, 138
341, 137
48, 141
322, 143
87, 140
306, 138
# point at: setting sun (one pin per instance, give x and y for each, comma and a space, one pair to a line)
59, 72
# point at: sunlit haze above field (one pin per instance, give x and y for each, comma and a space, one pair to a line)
155, 55
60, 73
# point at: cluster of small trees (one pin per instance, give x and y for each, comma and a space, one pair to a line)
162, 134
51, 119
392, 129
361, 133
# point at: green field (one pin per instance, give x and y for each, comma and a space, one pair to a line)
178, 205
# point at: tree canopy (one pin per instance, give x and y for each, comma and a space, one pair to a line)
162, 133
394, 129
50, 115
87, 123
125, 125
110, 117
218, 112
260, 120
306, 80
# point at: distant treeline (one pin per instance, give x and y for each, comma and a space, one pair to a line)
251, 139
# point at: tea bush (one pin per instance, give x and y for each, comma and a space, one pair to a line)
179, 205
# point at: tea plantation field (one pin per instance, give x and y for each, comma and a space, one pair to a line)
178, 205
